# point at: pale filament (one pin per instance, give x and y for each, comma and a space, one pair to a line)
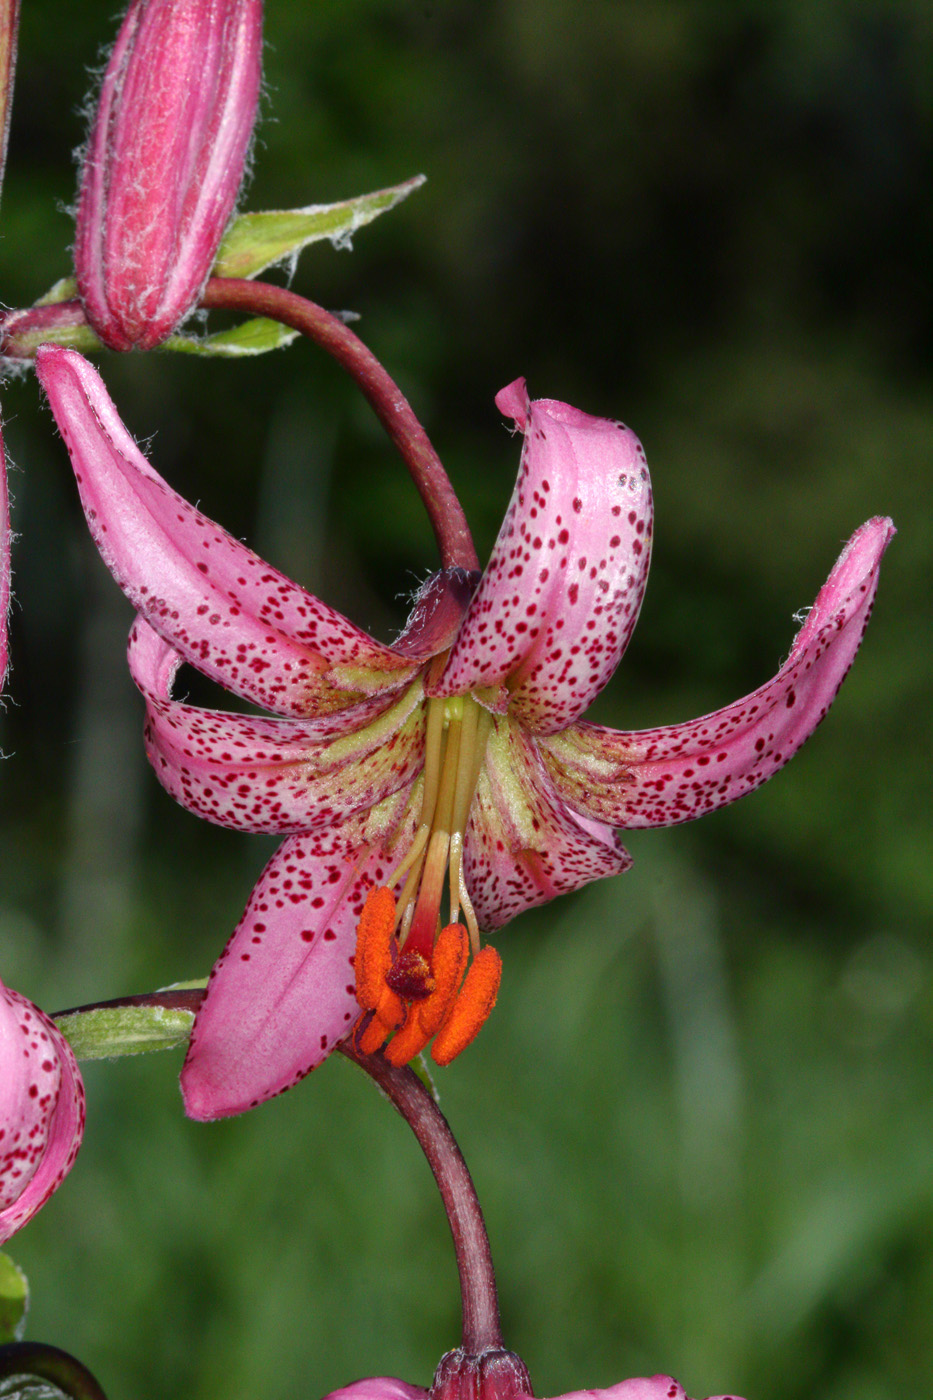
456, 732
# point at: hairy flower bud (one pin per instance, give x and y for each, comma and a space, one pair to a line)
41, 1110
495, 1374
164, 162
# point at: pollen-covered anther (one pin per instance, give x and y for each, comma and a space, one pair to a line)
386, 1018
448, 964
470, 1011
374, 938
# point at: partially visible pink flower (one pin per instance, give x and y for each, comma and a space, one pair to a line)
4, 564
454, 760
41, 1110
641, 1388
164, 162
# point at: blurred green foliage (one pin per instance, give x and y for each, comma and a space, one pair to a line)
700, 1119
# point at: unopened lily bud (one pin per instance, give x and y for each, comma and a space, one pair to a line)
41, 1110
164, 162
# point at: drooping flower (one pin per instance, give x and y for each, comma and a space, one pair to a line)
639, 1388
164, 162
41, 1110
4, 564
455, 756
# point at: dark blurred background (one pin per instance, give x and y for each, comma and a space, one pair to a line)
700, 1118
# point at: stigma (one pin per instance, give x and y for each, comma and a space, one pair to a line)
414, 978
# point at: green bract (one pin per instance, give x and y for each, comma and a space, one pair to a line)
14, 1300
105, 1032
254, 242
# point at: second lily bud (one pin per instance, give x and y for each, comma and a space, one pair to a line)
164, 162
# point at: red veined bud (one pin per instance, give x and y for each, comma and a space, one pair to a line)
164, 162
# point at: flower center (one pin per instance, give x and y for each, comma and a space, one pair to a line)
409, 969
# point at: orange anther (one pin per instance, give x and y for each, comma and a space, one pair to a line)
409, 1041
389, 1014
468, 1013
372, 1038
448, 964
451, 955
374, 947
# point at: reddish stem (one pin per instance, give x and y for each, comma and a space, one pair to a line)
481, 1328
388, 402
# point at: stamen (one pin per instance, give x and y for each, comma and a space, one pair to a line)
459, 895
448, 965
417, 846
374, 947
433, 743
387, 1016
409, 970
451, 955
407, 1042
471, 1009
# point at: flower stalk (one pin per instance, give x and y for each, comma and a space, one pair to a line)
384, 396
481, 1328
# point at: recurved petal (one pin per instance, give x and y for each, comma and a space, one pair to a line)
282, 993
41, 1110
658, 777
556, 606
275, 775
523, 846
223, 608
379, 1388
640, 1388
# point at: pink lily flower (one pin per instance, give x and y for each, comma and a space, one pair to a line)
4, 564
41, 1110
456, 756
647, 1388
164, 162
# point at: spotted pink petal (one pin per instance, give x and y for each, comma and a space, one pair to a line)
378, 1388
282, 993
41, 1110
4, 562
658, 777
523, 846
557, 604
647, 1388
223, 608
274, 775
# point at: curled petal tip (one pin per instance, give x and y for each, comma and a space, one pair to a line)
559, 599
513, 402
659, 777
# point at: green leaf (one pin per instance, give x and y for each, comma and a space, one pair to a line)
256, 241
14, 1300
254, 337
105, 1032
